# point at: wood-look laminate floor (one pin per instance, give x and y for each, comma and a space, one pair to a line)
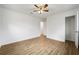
39, 46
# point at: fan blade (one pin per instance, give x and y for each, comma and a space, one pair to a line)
45, 10
36, 6
36, 10
46, 5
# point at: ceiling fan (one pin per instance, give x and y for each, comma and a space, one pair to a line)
40, 8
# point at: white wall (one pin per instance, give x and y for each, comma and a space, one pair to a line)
56, 25
15, 26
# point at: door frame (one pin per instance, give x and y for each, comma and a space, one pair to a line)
76, 29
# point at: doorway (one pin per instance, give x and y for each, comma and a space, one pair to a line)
70, 28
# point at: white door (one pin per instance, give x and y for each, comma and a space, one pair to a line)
76, 30
42, 27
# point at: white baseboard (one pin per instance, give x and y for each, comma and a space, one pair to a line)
5, 43
56, 39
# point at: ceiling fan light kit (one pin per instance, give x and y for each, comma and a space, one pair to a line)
40, 8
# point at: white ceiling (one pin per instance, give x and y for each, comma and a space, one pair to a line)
28, 8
